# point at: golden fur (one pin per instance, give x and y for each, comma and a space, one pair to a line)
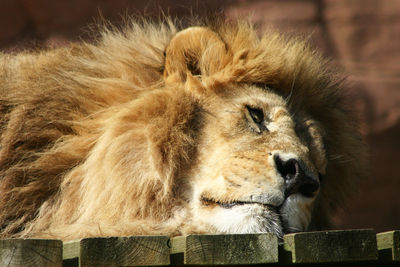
115, 138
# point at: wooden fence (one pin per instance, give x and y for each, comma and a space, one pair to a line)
330, 248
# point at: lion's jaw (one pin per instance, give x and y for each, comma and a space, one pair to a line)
269, 213
238, 187
241, 219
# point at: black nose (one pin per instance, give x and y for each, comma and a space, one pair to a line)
298, 178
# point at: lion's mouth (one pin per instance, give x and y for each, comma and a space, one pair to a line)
231, 204
253, 219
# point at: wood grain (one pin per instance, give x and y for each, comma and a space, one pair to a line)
331, 246
30, 252
227, 249
125, 251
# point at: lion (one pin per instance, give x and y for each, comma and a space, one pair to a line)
166, 130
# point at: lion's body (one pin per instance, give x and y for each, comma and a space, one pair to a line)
112, 139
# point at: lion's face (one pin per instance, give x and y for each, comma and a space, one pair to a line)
255, 172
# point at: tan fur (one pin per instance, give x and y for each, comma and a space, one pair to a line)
115, 138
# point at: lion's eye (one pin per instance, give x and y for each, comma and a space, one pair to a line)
256, 115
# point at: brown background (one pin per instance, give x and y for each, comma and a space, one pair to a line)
362, 36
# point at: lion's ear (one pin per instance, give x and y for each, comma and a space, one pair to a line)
197, 50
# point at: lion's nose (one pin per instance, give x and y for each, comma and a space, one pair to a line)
298, 179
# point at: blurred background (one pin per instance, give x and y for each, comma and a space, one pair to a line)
361, 36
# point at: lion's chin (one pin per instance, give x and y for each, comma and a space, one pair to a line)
243, 218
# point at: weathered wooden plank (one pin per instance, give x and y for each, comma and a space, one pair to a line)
331, 246
227, 249
30, 252
178, 244
71, 252
178, 247
120, 251
389, 245
71, 249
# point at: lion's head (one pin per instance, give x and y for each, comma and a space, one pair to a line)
206, 130
254, 173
